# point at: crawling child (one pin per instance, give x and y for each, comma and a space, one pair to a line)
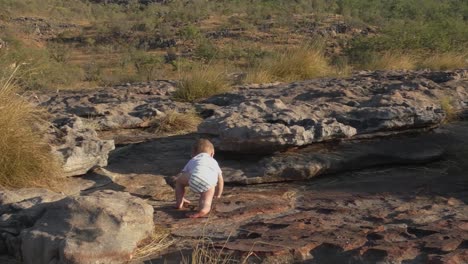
203, 176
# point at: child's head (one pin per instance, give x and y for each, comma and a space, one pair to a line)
203, 146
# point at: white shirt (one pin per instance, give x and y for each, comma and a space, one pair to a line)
203, 167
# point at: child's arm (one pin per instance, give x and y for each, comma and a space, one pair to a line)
220, 186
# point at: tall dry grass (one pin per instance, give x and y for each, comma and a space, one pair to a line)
158, 241
300, 63
392, 61
201, 82
25, 160
445, 61
206, 252
447, 105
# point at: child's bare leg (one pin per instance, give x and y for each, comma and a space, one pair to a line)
181, 182
205, 201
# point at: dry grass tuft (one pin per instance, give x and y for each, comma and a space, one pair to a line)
446, 103
259, 75
294, 64
201, 82
175, 123
445, 61
25, 160
156, 242
205, 252
392, 61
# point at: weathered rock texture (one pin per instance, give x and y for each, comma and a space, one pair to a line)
296, 225
44, 227
77, 146
302, 113
126, 106
167, 156
363, 229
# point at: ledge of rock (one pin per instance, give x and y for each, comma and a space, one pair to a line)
120, 107
300, 113
167, 156
315, 160
102, 227
77, 146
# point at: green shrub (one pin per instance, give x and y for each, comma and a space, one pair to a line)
205, 50
190, 32
146, 63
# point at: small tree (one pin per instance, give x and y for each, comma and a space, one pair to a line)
146, 64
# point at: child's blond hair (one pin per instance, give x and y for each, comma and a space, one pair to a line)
202, 146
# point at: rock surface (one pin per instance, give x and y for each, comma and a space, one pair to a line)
302, 113
279, 224
102, 227
277, 116
167, 156
78, 146
387, 214
119, 107
395, 199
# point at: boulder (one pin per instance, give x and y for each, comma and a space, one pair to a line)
77, 146
102, 227
267, 119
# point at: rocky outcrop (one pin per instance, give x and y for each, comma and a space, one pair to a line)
77, 146
167, 156
125, 106
302, 113
102, 227
323, 159
383, 214
273, 117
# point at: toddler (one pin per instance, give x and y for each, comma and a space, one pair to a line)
203, 175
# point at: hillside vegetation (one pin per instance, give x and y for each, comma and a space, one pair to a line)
74, 44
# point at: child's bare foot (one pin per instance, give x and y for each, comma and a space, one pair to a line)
181, 205
197, 215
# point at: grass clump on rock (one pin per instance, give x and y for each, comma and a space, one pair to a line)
201, 82
25, 160
175, 123
447, 105
301, 63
